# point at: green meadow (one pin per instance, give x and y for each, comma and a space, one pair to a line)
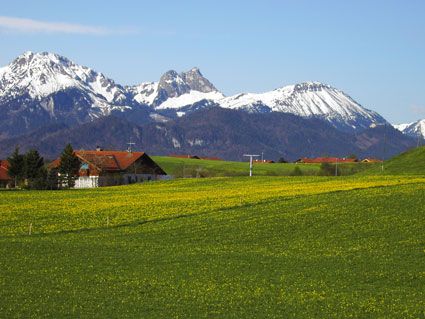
227, 247
185, 167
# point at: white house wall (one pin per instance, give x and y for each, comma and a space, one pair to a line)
87, 182
124, 179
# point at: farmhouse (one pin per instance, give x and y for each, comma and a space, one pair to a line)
5, 180
108, 168
371, 160
320, 160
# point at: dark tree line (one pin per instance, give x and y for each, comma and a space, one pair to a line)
30, 171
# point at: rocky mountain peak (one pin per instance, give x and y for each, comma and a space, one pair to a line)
310, 87
197, 81
172, 85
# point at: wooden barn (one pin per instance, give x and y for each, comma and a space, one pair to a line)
109, 168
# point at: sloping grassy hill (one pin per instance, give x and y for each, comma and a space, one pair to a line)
411, 162
276, 247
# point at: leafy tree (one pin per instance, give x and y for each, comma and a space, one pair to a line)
16, 166
328, 169
296, 172
69, 166
282, 160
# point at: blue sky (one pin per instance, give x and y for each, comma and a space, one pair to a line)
373, 50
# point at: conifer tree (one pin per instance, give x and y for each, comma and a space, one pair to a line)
52, 181
34, 170
16, 168
69, 166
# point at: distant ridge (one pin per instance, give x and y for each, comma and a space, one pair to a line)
47, 100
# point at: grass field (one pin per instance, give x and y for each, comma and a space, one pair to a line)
411, 162
276, 247
185, 167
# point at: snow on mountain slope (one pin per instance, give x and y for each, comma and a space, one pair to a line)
145, 92
413, 129
49, 83
175, 90
309, 99
402, 127
188, 99
42, 74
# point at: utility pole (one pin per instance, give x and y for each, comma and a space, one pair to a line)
250, 162
262, 157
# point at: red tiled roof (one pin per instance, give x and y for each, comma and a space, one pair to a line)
106, 160
211, 158
110, 160
4, 165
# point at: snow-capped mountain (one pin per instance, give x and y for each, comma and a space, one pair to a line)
414, 129
309, 99
39, 89
41, 74
144, 93
175, 91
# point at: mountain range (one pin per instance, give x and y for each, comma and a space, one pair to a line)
414, 129
47, 100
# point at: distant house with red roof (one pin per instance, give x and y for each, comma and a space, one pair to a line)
319, 160
371, 160
213, 158
5, 179
108, 168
